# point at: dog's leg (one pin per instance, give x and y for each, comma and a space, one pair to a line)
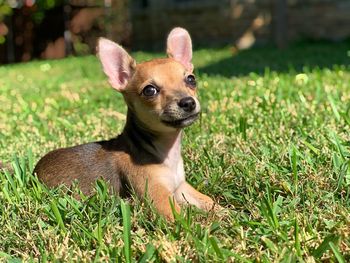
157, 185
185, 193
161, 198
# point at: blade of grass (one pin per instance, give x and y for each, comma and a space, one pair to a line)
311, 147
334, 108
296, 238
342, 174
126, 230
30, 160
57, 214
293, 162
336, 252
149, 254
243, 127
270, 244
12, 183
214, 243
22, 162
17, 169
324, 246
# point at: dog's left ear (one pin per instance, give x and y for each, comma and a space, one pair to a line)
179, 47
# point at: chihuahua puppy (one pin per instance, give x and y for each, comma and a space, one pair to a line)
161, 98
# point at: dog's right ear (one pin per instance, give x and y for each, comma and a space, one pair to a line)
116, 62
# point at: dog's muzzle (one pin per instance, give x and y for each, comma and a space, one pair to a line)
182, 113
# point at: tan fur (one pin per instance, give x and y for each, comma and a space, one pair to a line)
147, 155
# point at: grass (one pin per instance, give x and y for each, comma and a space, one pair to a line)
272, 146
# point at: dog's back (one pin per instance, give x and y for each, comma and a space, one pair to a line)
84, 163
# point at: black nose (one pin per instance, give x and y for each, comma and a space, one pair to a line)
187, 104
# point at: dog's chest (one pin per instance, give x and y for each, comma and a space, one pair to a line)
175, 163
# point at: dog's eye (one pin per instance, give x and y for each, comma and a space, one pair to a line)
191, 80
150, 91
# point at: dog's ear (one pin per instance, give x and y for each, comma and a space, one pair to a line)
179, 47
116, 62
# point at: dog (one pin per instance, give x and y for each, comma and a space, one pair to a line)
161, 99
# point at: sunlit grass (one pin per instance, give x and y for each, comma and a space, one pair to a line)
272, 146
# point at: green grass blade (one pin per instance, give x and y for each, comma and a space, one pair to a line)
5, 191
57, 214
214, 244
75, 207
267, 208
294, 165
336, 252
12, 183
324, 246
30, 160
243, 127
342, 174
339, 146
18, 171
311, 147
149, 254
270, 244
297, 245
126, 230
334, 108
85, 230
23, 167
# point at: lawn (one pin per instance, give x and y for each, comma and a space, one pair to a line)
272, 146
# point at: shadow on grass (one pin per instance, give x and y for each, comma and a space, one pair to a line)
295, 58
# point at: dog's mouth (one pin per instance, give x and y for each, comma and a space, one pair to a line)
181, 123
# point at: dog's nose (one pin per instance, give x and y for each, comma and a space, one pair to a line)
187, 104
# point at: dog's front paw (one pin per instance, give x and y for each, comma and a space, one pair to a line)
219, 210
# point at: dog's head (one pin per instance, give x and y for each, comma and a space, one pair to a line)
161, 93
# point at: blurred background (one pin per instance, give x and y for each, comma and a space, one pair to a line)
51, 29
